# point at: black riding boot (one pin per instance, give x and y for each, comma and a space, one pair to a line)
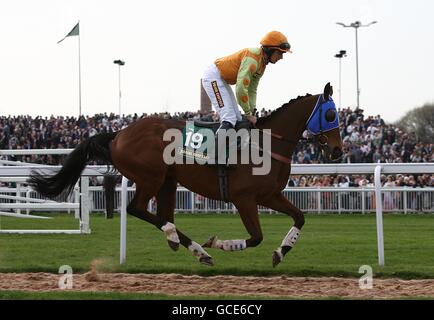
221, 167
226, 126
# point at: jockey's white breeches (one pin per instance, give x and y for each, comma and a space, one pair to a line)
221, 95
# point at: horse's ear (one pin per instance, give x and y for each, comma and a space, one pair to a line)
328, 91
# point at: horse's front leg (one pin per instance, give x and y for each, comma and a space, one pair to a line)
281, 204
248, 210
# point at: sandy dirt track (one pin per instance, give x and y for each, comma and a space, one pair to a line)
176, 284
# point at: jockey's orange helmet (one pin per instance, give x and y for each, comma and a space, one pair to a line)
276, 40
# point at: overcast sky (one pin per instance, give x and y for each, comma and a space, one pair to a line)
166, 45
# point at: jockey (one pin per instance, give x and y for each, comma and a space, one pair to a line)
242, 69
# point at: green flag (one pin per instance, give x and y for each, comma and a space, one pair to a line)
74, 32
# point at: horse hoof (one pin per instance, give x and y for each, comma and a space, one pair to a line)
173, 245
207, 260
276, 259
209, 242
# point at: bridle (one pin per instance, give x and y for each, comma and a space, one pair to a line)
318, 137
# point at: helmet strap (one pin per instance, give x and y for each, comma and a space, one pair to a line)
268, 52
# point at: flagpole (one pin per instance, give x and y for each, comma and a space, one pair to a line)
79, 74
76, 32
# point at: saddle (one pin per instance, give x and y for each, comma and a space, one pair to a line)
243, 124
222, 169
214, 126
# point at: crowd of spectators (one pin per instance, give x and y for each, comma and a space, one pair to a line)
366, 140
371, 140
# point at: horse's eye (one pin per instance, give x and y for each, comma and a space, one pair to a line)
330, 115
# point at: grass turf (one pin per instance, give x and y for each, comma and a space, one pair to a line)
330, 245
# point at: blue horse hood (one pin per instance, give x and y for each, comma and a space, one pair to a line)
317, 122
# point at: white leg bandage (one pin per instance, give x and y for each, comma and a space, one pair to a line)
197, 250
169, 230
289, 241
230, 245
291, 237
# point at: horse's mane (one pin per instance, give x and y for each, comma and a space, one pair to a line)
278, 111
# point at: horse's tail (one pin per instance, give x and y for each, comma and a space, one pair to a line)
94, 148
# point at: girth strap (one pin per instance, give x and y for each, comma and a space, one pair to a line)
223, 182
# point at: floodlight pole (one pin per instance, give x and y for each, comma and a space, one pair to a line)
340, 55
356, 25
120, 63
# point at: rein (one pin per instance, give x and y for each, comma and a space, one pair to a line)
277, 156
321, 138
278, 136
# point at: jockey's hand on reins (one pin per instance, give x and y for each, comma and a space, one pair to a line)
252, 120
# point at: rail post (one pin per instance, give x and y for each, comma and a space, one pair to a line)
379, 214
123, 249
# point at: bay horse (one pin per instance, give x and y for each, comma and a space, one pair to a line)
137, 153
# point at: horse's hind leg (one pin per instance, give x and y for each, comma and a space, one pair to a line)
248, 211
281, 204
138, 208
163, 222
166, 199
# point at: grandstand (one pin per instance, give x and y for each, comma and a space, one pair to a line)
366, 140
